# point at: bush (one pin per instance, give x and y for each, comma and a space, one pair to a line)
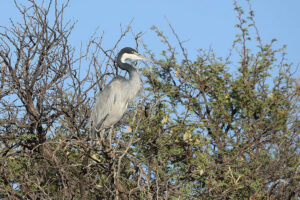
209, 128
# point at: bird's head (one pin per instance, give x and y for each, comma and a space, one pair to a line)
130, 53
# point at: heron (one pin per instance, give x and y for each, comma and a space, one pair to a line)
112, 102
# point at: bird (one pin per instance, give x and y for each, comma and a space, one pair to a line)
111, 103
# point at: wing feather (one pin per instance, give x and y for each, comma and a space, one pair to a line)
102, 106
105, 102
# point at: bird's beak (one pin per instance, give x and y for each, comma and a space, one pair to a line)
140, 57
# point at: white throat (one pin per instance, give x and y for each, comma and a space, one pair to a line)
126, 56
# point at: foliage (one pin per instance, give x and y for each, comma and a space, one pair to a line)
209, 128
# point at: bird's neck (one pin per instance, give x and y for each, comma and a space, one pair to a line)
135, 82
134, 78
126, 66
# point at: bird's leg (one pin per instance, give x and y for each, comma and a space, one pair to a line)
110, 136
94, 136
97, 138
102, 135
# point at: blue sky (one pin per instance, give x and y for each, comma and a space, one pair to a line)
203, 23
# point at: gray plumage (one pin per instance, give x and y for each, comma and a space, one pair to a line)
112, 102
